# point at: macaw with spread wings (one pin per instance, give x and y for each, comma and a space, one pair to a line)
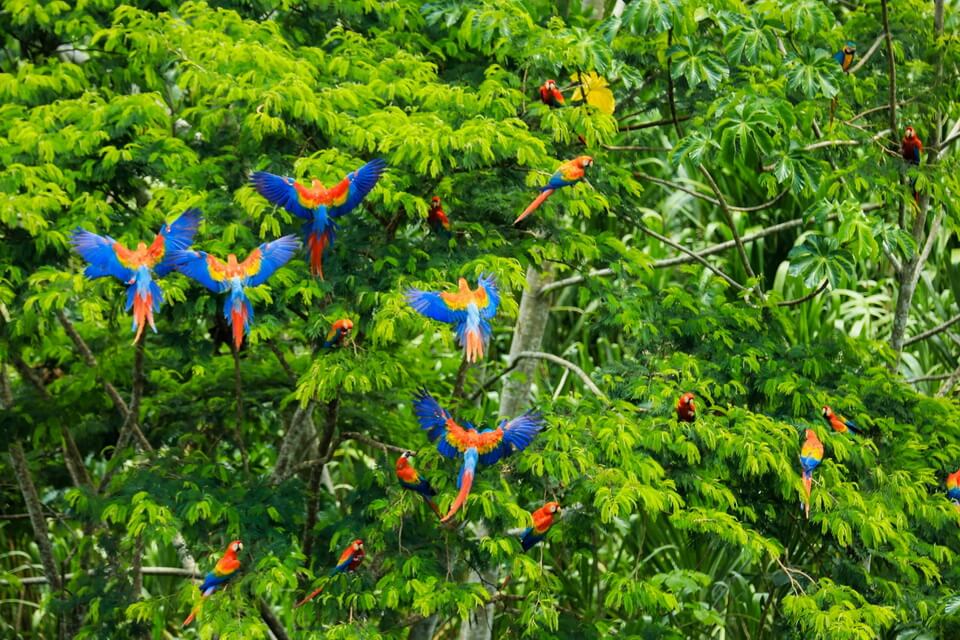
235, 276
136, 267
469, 310
319, 206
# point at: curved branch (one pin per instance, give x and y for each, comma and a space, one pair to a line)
540, 355
932, 332
656, 123
733, 227
147, 571
701, 260
703, 196
802, 299
359, 437
867, 55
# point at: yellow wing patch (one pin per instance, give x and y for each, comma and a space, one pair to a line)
217, 270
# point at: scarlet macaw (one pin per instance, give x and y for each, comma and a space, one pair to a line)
550, 94
846, 55
437, 218
487, 446
236, 276
225, 569
107, 257
351, 558
542, 521
953, 487
338, 334
319, 206
910, 148
839, 423
569, 173
811, 455
410, 479
686, 409
470, 311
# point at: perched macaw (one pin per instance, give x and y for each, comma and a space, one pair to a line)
846, 55
410, 479
338, 334
686, 409
487, 446
569, 173
225, 569
351, 558
839, 423
542, 521
811, 455
550, 94
319, 206
953, 487
135, 268
236, 276
437, 218
469, 310
910, 148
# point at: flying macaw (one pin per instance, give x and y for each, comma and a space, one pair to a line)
437, 218
839, 423
351, 558
846, 55
107, 257
953, 487
487, 446
550, 94
410, 479
686, 409
811, 455
319, 206
469, 310
338, 334
236, 276
569, 173
542, 521
225, 569
910, 148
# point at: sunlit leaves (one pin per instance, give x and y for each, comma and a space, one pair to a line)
698, 62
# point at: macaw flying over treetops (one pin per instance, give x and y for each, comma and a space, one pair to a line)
136, 267
839, 423
542, 521
846, 55
437, 218
686, 409
550, 94
469, 310
487, 446
811, 455
351, 559
910, 148
569, 173
317, 205
235, 276
338, 334
223, 571
410, 479
953, 487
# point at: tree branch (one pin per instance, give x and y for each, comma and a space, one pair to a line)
540, 355
703, 196
801, 300
679, 247
891, 66
282, 360
359, 437
147, 571
867, 55
91, 361
932, 332
650, 125
266, 613
930, 378
733, 228
670, 94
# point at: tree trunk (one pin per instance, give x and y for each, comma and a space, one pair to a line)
424, 629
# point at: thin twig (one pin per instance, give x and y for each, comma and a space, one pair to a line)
932, 332
801, 300
359, 437
733, 228
679, 247
540, 355
931, 378
650, 125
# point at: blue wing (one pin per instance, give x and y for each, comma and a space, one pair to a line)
177, 236
838, 56
99, 252
361, 183
432, 305
431, 416
269, 257
493, 296
197, 266
557, 182
517, 436
280, 190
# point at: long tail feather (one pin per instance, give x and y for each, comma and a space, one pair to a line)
433, 505
238, 318
190, 618
534, 205
308, 598
807, 484
474, 345
316, 244
466, 482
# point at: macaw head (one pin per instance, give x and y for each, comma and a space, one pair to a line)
811, 435
344, 325
585, 161
551, 85
552, 507
953, 480
234, 548
850, 48
435, 200
357, 545
686, 400
827, 412
404, 460
909, 133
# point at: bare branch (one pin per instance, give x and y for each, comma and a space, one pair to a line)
359, 437
949, 383
679, 247
930, 378
891, 66
269, 619
650, 125
867, 55
147, 571
41, 534
566, 363
801, 300
91, 361
670, 96
632, 147
733, 228
932, 332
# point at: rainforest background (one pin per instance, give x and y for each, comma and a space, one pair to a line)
748, 233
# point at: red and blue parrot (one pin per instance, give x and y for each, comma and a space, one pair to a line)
846, 55
469, 310
569, 173
811, 455
953, 487
410, 479
487, 446
225, 569
338, 334
839, 423
136, 268
235, 276
542, 521
550, 94
910, 148
350, 560
437, 218
320, 207
686, 409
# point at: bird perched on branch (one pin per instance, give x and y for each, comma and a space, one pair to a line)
338, 334
569, 174
839, 423
351, 558
468, 310
437, 218
235, 277
550, 94
686, 409
910, 148
846, 55
410, 479
811, 455
136, 267
318, 205
223, 571
543, 519
487, 446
